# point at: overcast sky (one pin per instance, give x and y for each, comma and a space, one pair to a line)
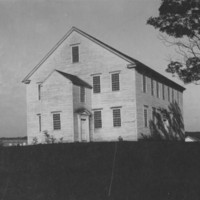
30, 28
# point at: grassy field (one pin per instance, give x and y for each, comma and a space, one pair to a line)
143, 170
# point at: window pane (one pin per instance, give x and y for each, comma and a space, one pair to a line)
75, 54
115, 82
56, 121
96, 84
116, 117
97, 119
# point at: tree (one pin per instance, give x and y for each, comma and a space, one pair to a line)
167, 124
179, 21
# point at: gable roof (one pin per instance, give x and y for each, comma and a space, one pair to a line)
129, 59
75, 79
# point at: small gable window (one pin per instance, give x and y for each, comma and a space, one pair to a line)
75, 54
39, 91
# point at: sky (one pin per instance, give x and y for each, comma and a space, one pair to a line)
30, 28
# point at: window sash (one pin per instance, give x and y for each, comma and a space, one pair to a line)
116, 117
75, 54
82, 94
56, 121
97, 119
115, 82
96, 84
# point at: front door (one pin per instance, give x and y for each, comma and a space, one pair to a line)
84, 128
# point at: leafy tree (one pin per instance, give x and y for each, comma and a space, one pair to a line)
179, 20
167, 124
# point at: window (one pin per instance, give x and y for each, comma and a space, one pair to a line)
56, 121
116, 117
153, 114
163, 91
157, 89
39, 121
152, 87
115, 82
172, 95
75, 54
82, 94
145, 116
97, 119
144, 83
39, 91
96, 84
178, 98
169, 99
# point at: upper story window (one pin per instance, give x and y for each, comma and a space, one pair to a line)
75, 54
56, 121
115, 82
157, 89
39, 91
96, 84
144, 82
97, 119
116, 117
152, 87
163, 91
82, 94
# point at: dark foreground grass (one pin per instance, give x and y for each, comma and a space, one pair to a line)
143, 170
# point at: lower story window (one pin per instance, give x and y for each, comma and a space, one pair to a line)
97, 119
145, 116
116, 117
56, 121
39, 120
